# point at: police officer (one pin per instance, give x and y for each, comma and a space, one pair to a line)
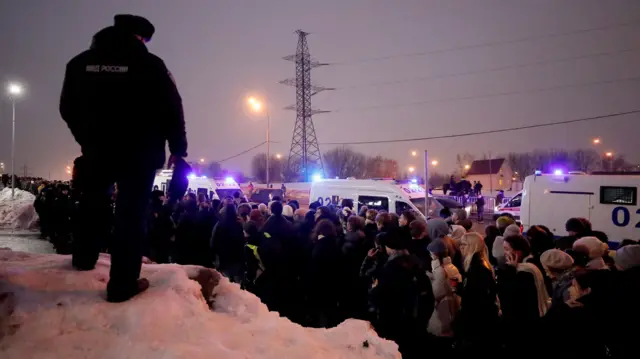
121, 104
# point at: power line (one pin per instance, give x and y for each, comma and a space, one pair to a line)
489, 44
496, 94
241, 153
584, 119
495, 69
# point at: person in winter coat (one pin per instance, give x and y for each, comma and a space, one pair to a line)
522, 292
498, 244
477, 320
253, 253
419, 242
370, 228
491, 232
576, 228
444, 278
323, 276
227, 244
523, 295
627, 297
438, 229
540, 239
558, 266
403, 298
353, 251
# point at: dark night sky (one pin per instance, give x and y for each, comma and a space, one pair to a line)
219, 51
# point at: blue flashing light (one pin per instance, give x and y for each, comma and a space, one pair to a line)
538, 173
316, 177
558, 172
191, 176
229, 180
414, 180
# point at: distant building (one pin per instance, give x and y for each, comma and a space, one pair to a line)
495, 171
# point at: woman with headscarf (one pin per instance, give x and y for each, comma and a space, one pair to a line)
439, 230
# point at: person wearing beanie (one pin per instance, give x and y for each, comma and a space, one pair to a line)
400, 316
576, 228
497, 250
503, 222
558, 266
118, 89
628, 257
594, 249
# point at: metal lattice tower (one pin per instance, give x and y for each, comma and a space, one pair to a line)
304, 157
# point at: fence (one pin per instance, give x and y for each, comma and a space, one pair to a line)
489, 202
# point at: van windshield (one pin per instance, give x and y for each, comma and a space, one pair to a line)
223, 193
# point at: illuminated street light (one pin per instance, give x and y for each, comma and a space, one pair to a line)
257, 107
434, 162
202, 160
414, 153
596, 141
15, 90
412, 169
278, 156
609, 154
466, 167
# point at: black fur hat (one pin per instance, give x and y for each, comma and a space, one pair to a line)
137, 25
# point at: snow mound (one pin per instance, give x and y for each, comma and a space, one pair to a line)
18, 213
48, 310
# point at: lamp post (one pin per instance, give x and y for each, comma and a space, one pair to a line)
257, 107
15, 90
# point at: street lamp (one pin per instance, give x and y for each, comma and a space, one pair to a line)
278, 156
596, 141
609, 154
466, 167
412, 169
414, 153
434, 162
202, 160
256, 106
15, 90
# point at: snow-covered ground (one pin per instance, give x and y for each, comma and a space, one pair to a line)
17, 213
48, 310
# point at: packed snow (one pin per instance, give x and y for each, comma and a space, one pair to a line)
18, 213
48, 310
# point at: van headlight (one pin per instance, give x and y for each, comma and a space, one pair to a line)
496, 208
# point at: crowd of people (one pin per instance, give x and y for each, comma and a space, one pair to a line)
433, 286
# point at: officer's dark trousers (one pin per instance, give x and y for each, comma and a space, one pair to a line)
95, 220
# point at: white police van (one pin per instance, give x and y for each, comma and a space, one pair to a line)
379, 194
608, 201
511, 207
215, 188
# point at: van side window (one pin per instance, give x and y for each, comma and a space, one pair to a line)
515, 201
619, 195
373, 202
401, 207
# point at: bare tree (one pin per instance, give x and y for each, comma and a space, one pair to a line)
344, 162
381, 167
437, 180
259, 168
463, 160
213, 169
585, 160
